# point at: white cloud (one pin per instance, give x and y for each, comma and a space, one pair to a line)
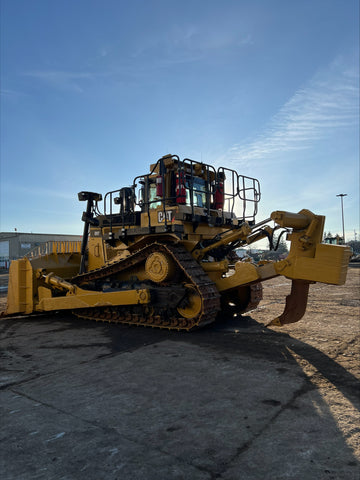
62, 79
297, 156
10, 93
190, 43
328, 103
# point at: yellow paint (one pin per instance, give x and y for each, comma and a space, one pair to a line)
329, 265
96, 253
221, 267
244, 274
33, 281
160, 267
20, 289
87, 298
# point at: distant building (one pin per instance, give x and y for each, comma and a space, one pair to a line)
336, 240
14, 245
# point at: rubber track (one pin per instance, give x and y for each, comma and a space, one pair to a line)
147, 315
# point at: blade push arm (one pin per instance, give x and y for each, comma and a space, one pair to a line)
308, 260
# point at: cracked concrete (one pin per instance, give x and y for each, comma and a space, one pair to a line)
86, 400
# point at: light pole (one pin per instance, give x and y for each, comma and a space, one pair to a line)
342, 195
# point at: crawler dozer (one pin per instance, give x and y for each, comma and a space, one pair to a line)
162, 253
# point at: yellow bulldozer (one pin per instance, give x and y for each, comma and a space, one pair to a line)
163, 253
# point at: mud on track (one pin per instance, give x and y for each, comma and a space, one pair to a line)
233, 401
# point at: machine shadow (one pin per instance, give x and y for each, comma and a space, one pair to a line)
252, 338
243, 336
288, 421
248, 338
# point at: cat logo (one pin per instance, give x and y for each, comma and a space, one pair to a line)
161, 216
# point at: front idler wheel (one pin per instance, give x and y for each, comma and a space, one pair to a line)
191, 306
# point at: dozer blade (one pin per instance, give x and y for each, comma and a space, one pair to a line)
295, 304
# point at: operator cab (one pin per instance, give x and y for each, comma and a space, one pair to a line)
185, 191
198, 189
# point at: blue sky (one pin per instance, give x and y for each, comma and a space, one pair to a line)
94, 91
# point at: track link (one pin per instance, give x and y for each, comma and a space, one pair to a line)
150, 315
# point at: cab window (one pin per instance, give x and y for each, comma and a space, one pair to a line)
199, 192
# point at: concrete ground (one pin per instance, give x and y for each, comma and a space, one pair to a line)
237, 400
